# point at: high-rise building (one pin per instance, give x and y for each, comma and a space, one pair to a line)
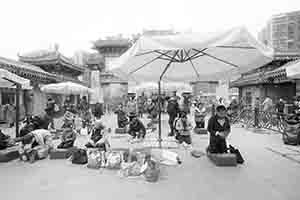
282, 32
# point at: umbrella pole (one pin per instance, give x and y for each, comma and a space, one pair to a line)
159, 114
17, 108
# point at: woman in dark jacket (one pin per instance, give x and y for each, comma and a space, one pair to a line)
219, 128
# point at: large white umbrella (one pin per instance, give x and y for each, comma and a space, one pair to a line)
67, 88
187, 57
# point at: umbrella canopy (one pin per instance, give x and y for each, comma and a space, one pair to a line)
192, 55
293, 70
165, 86
7, 80
66, 88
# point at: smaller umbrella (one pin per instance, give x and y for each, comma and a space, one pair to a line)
66, 88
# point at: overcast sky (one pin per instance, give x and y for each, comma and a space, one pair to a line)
73, 24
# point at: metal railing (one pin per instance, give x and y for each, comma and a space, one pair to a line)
260, 119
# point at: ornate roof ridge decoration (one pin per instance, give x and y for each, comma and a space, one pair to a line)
44, 57
27, 70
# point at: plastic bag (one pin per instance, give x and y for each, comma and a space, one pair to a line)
96, 158
152, 171
114, 160
165, 157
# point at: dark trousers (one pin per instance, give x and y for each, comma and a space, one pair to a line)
100, 146
66, 144
184, 138
171, 123
217, 144
139, 134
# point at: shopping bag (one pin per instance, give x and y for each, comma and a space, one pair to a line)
114, 160
96, 158
151, 170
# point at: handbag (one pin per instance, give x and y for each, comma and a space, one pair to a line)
239, 157
79, 156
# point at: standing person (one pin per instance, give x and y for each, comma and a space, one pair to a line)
267, 104
280, 108
184, 127
219, 129
10, 114
84, 108
141, 104
50, 107
68, 104
122, 117
131, 106
173, 110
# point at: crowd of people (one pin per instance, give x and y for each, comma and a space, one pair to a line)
37, 130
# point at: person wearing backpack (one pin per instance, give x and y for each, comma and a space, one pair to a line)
173, 110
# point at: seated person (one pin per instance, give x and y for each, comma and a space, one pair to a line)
136, 127
68, 119
98, 138
122, 118
68, 137
184, 127
219, 129
34, 140
4, 141
39, 137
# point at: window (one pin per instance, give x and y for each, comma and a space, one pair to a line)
248, 98
8, 97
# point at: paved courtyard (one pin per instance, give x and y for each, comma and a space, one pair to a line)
265, 174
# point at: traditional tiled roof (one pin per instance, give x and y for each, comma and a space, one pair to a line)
28, 71
109, 77
111, 43
286, 55
49, 57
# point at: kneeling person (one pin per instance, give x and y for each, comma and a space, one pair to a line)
136, 127
219, 129
98, 138
34, 141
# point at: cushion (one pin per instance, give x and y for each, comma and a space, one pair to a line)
60, 153
9, 154
226, 159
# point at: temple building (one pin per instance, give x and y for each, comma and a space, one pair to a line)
269, 80
56, 64
114, 88
32, 100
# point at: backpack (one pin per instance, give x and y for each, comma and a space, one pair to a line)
79, 156
172, 107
